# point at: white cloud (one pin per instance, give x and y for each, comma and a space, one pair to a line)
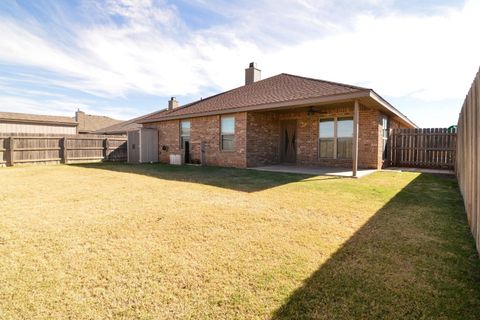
152, 51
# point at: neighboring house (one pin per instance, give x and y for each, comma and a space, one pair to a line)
23, 123
282, 119
12, 122
90, 123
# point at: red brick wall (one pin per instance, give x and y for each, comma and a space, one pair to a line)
204, 129
257, 138
263, 138
307, 135
369, 139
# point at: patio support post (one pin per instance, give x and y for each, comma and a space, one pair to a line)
355, 139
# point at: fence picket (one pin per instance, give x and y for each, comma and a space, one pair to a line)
468, 155
56, 148
423, 148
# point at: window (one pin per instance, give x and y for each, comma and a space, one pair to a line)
184, 133
344, 138
227, 133
385, 132
336, 138
327, 135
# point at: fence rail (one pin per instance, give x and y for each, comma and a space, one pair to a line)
468, 160
423, 148
20, 149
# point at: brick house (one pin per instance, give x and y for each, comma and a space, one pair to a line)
284, 119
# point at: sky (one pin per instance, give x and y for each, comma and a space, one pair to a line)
126, 58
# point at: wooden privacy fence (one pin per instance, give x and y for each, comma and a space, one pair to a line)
468, 158
423, 148
19, 149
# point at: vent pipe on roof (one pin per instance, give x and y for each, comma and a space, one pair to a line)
252, 74
172, 103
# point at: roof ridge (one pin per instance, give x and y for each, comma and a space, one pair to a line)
326, 81
279, 76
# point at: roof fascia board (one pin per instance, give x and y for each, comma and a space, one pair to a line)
384, 103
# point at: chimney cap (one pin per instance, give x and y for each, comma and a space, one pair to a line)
252, 65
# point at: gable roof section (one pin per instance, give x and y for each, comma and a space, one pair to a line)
36, 119
277, 89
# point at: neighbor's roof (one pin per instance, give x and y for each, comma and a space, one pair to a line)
36, 118
280, 91
93, 123
125, 126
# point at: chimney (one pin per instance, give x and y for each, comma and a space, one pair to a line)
81, 119
79, 116
252, 74
172, 103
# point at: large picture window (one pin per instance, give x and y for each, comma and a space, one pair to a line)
184, 133
227, 139
336, 138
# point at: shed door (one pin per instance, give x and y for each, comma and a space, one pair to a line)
288, 146
133, 147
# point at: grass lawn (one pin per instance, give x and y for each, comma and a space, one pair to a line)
160, 242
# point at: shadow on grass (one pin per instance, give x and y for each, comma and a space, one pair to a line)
415, 259
244, 180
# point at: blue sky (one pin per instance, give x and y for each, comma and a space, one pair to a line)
125, 58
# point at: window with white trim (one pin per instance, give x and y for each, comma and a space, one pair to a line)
227, 136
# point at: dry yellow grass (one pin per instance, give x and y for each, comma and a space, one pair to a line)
160, 242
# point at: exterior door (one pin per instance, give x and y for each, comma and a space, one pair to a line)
186, 149
288, 145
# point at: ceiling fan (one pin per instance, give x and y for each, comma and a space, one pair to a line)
312, 111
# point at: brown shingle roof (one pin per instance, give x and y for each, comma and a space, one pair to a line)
92, 123
36, 118
280, 88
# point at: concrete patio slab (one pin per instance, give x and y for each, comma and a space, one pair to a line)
315, 171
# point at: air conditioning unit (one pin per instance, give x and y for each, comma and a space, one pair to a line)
176, 159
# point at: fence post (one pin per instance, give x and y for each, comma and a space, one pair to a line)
65, 150
11, 148
107, 146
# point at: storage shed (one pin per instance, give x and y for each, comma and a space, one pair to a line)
142, 146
